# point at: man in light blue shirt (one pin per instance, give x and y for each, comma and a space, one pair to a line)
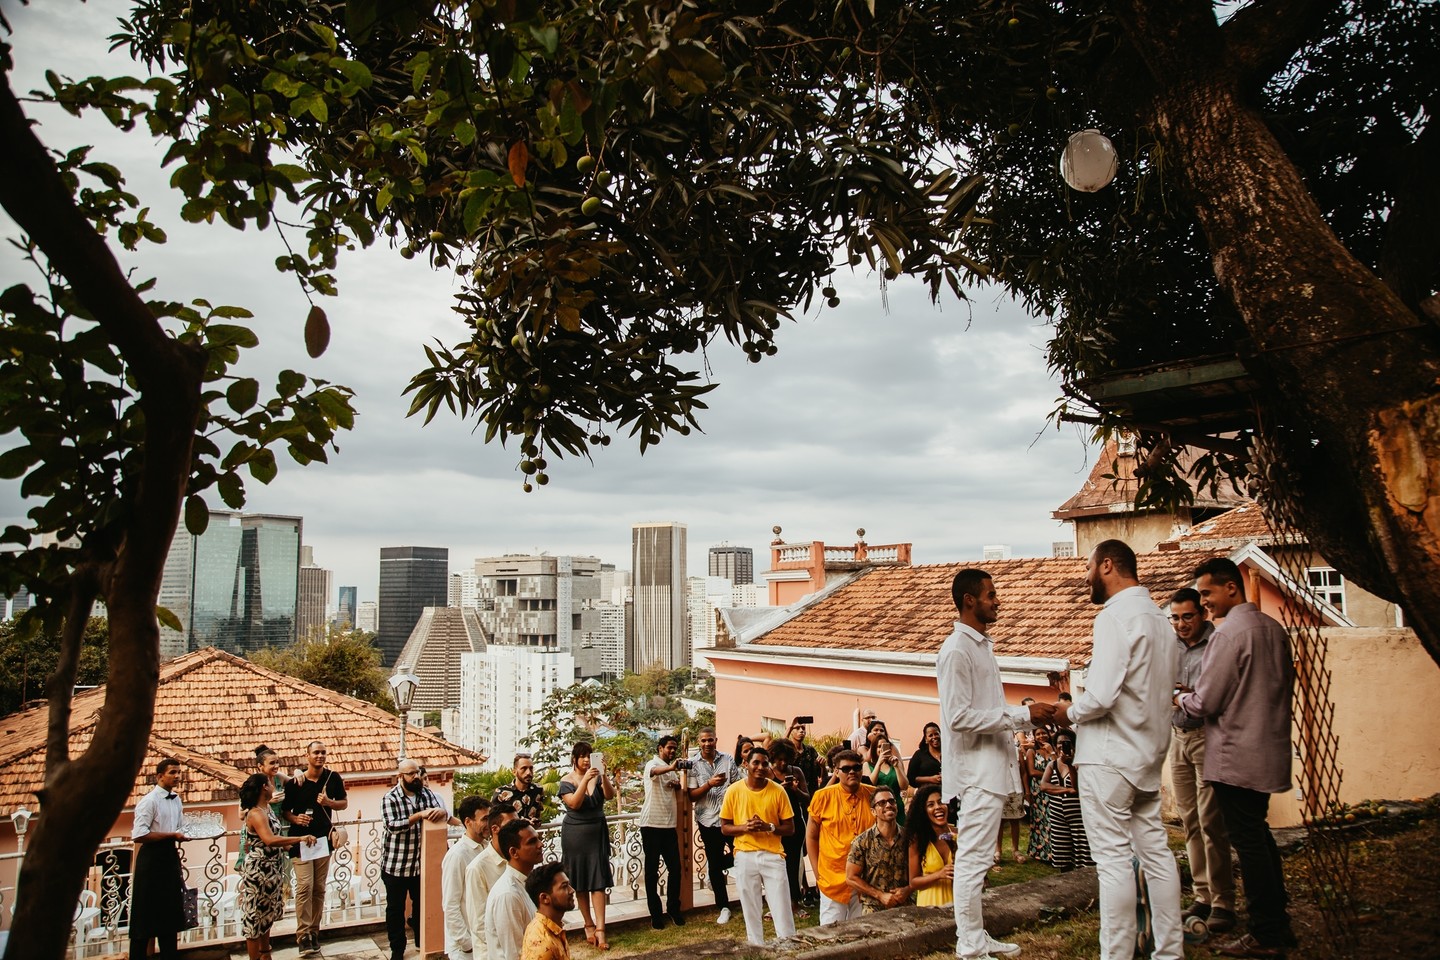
1122, 722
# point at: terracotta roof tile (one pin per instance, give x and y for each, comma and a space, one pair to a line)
1045, 608
1112, 485
1244, 524
211, 710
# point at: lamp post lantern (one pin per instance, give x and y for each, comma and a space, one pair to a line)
1088, 163
403, 687
20, 820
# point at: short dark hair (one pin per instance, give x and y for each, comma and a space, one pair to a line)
510, 836
840, 756
250, 790
667, 739
1221, 570
968, 583
1119, 553
1065, 695
165, 764
497, 813
882, 788
542, 879
471, 805
582, 748
757, 750
1186, 595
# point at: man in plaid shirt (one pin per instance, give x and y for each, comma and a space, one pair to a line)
404, 809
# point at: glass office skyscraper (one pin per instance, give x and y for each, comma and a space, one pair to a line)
411, 579
235, 586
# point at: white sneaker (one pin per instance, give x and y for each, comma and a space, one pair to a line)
724, 917
1000, 949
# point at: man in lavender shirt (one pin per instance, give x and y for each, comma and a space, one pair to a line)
1243, 694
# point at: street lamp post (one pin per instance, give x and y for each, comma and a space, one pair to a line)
403, 687
20, 820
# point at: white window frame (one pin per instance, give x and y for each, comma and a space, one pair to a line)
1329, 587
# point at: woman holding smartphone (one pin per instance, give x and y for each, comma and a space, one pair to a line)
585, 838
884, 769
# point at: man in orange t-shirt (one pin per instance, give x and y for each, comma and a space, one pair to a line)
838, 814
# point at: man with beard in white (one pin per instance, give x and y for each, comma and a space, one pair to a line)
1122, 723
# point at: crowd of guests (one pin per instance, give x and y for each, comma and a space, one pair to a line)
775, 813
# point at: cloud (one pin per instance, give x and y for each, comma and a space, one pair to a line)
918, 422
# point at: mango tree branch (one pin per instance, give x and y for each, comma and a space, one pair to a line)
61, 684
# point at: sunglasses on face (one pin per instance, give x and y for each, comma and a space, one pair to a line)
883, 803
849, 768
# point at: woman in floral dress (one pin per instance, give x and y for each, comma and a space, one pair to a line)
1036, 759
262, 896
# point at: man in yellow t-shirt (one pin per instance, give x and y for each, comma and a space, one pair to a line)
756, 813
838, 814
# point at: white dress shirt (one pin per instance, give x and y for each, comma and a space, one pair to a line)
1122, 720
487, 867
159, 811
979, 746
452, 895
508, 911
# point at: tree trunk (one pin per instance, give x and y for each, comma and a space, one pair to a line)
1352, 366
83, 797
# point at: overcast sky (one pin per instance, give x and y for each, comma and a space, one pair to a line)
920, 423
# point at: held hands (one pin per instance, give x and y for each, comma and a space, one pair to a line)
1062, 714
1042, 713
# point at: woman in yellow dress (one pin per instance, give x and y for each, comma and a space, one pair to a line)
930, 846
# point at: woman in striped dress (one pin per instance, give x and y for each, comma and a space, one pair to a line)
1069, 847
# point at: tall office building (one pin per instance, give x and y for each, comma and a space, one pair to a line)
411, 579
236, 586
367, 616
736, 564
345, 616
464, 589
705, 596
661, 628
314, 600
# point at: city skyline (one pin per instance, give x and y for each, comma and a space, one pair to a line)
920, 423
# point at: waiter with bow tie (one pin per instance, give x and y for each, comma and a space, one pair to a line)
157, 908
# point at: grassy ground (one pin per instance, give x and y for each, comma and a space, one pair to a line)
1397, 886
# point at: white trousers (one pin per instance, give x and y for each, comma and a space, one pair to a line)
975, 831
1122, 822
758, 872
833, 911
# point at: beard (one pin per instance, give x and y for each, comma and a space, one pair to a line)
1097, 592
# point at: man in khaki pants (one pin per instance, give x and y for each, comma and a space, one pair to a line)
1206, 841
310, 803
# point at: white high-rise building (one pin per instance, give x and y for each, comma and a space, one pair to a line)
367, 616
661, 626
610, 638
501, 689
464, 590
704, 596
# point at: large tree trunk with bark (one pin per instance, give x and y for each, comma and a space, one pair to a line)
1349, 363
83, 796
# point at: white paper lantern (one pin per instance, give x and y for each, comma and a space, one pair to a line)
1088, 162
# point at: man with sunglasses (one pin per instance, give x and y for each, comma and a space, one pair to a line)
1206, 841
405, 809
878, 866
838, 814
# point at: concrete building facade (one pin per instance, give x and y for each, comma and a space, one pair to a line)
736, 564
501, 689
660, 625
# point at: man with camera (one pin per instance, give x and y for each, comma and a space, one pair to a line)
657, 831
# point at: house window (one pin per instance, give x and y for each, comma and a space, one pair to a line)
1328, 585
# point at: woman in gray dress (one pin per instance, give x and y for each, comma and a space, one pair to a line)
585, 839
262, 897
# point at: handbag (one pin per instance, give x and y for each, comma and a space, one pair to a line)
339, 836
189, 908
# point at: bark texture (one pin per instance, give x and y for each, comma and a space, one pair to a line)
1345, 357
83, 796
